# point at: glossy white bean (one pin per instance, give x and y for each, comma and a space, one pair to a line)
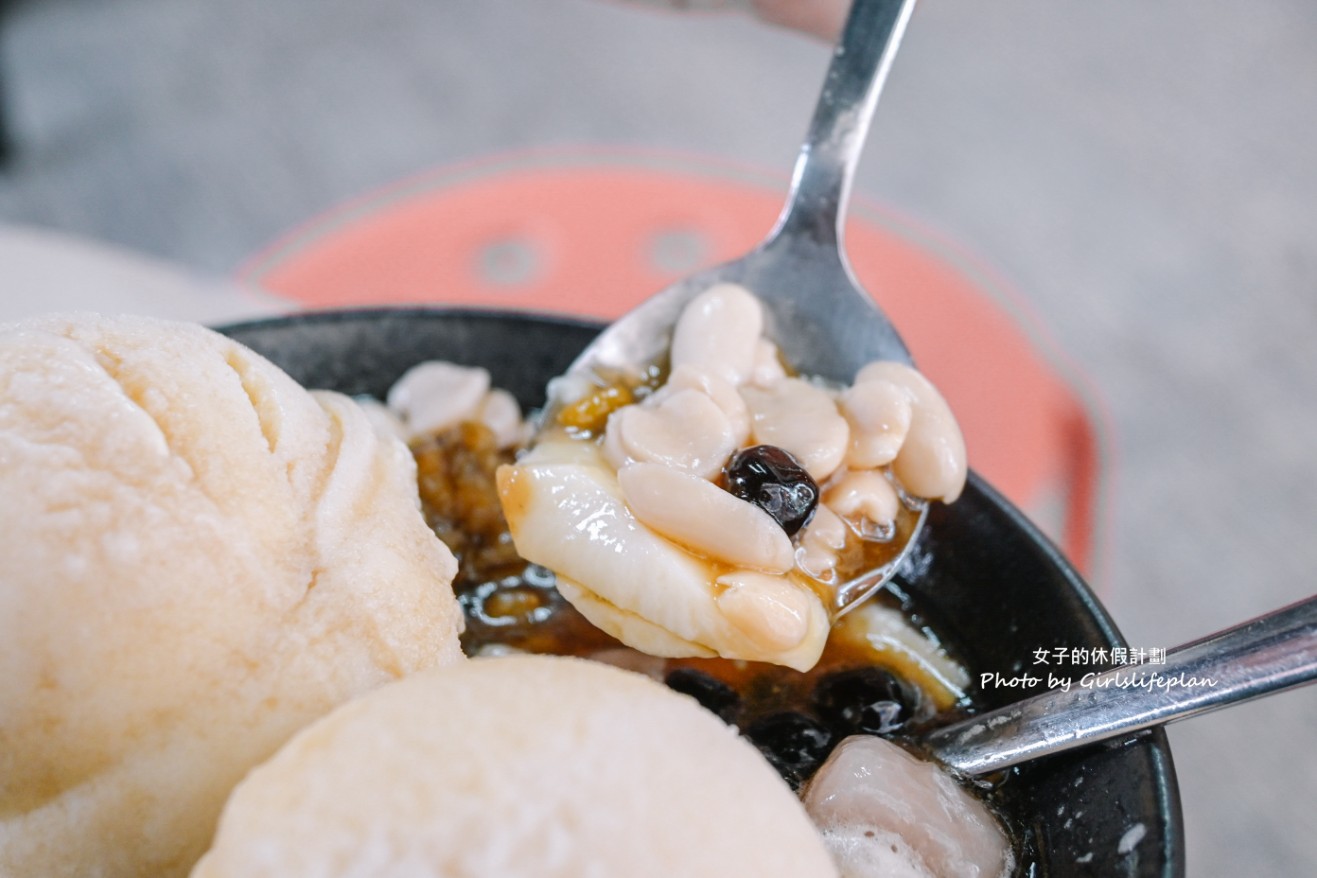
721, 391
802, 419
704, 518
768, 368
879, 413
501, 413
932, 461
865, 495
685, 430
771, 611
820, 542
433, 396
719, 331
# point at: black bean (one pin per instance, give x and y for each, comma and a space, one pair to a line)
773, 480
863, 701
793, 743
715, 695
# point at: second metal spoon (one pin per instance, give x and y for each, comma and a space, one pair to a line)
1268, 654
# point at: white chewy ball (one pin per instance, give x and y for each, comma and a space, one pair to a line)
520, 767
197, 558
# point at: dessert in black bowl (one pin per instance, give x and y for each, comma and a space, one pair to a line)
985, 586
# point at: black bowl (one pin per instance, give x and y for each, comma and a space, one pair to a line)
990, 583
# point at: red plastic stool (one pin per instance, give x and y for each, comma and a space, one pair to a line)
592, 234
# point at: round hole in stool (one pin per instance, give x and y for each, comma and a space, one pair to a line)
678, 250
509, 262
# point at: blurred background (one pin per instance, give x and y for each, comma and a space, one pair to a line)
1139, 175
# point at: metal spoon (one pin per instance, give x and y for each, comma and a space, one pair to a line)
822, 321
1268, 654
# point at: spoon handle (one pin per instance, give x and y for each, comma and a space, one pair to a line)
821, 181
1268, 654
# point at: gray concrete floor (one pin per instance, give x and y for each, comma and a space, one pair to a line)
1142, 172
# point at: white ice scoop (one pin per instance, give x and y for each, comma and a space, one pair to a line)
824, 324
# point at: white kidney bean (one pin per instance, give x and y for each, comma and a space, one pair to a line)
879, 413
705, 518
685, 429
501, 413
570, 388
931, 462
865, 494
768, 368
719, 332
433, 396
818, 545
717, 389
800, 418
770, 610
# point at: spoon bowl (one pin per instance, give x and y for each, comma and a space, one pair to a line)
825, 325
